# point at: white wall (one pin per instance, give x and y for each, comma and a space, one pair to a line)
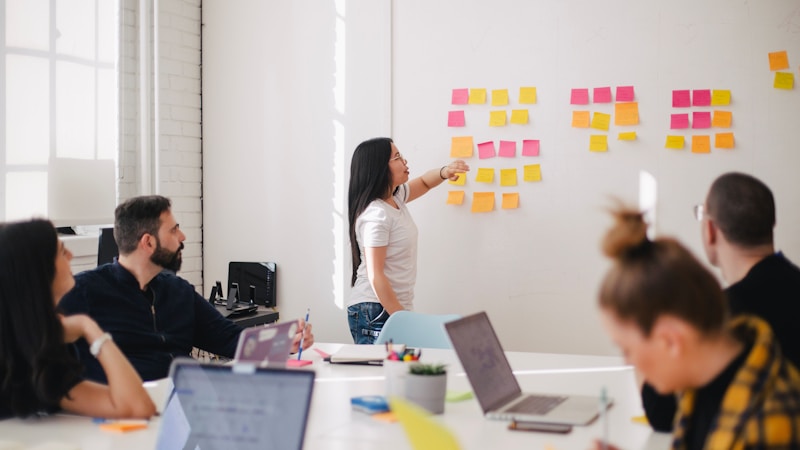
277, 140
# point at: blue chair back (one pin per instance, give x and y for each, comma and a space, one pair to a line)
417, 330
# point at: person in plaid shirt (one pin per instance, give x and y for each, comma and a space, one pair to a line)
670, 318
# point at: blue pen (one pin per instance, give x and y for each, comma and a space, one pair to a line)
300, 351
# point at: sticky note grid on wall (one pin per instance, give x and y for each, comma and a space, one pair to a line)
622, 107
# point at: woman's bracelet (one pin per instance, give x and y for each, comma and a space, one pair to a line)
440, 173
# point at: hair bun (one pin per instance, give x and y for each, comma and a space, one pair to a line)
628, 233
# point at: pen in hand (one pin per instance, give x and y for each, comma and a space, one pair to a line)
302, 336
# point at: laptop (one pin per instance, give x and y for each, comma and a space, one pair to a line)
266, 346
235, 407
495, 386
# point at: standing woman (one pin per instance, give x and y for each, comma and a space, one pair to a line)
383, 236
38, 373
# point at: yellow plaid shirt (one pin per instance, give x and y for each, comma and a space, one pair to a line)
761, 407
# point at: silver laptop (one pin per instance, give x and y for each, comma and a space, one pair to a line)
235, 406
495, 386
266, 346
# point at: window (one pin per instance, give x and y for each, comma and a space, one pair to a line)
60, 96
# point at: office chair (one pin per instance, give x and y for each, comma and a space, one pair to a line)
107, 249
417, 329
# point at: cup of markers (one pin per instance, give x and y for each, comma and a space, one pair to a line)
396, 367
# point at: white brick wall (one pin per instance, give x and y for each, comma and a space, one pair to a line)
179, 119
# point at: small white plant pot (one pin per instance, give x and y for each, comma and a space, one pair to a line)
427, 391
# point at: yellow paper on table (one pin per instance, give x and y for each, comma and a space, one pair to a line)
701, 144
423, 432
721, 119
600, 121
720, 97
580, 119
477, 96
674, 142
510, 200
598, 143
784, 80
627, 136
461, 147
499, 97
485, 175
519, 116
460, 181
626, 113
527, 95
455, 197
482, 201
532, 172
723, 140
497, 118
508, 177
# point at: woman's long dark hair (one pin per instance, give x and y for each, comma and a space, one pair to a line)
34, 362
370, 179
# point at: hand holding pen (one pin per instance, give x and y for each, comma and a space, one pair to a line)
305, 342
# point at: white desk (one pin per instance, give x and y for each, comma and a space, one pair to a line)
334, 425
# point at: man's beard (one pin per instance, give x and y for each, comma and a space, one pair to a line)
167, 259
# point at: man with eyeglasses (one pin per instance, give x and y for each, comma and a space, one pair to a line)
737, 221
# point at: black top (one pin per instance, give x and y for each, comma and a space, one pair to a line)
150, 327
771, 290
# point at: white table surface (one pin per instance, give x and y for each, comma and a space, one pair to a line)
334, 425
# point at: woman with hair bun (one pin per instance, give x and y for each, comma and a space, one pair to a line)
38, 373
669, 317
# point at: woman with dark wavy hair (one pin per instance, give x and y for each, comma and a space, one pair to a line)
38, 373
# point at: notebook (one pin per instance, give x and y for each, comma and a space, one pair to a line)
235, 406
266, 346
495, 386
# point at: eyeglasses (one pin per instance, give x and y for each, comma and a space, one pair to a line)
399, 156
699, 212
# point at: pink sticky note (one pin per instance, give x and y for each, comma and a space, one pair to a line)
602, 95
460, 96
579, 97
678, 121
701, 119
625, 93
701, 97
508, 149
681, 99
298, 362
486, 150
455, 119
530, 147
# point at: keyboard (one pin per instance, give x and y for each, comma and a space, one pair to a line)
536, 404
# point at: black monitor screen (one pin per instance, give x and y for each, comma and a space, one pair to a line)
261, 275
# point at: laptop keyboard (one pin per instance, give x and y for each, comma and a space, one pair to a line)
536, 404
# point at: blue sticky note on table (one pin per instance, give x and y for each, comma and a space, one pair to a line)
370, 404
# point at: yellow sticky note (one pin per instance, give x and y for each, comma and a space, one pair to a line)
640, 419
721, 119
784, 80
519, 116
455, 197
508, 177
499, 97
423, 432
485, 175
627, 136
580, 119
723, 140
626, 113
460, 181
482, 201
720, 97
510, 200
600, 121
532, 172
674, 142
701, 144
778, 60
598, 143
477, 96
497, 118
527, 95
461, 147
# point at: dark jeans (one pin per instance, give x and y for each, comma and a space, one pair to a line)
366, 321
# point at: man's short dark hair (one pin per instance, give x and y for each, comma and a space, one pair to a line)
136, 217
743, 208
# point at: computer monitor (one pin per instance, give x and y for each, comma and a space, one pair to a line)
260, 275
107, 250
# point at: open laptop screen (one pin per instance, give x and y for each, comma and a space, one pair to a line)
225, 407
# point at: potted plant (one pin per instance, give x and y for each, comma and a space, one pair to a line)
426, 385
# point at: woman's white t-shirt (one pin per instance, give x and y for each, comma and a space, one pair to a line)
381, 225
